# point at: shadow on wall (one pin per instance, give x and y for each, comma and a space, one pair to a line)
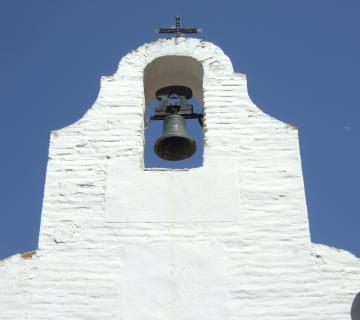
355, 308
173, 71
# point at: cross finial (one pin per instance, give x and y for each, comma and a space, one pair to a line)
178, 30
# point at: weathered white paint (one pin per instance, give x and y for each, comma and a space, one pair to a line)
174, 280
172, 196
104, 254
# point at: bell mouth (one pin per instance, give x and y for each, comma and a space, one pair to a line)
175, 148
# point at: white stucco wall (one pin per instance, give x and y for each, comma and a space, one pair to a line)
239, 249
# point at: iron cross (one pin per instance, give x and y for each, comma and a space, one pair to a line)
178, 30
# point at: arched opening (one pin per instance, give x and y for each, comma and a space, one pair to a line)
173, 83
355, 308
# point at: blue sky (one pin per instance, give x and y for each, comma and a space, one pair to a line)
301, 59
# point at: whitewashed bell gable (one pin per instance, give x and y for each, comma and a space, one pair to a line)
237, 247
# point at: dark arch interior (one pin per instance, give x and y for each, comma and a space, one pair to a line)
173, 71
355, 308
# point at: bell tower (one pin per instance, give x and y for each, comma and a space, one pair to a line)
226, 240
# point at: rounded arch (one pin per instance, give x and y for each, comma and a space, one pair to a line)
165, 71
355, 308
173, 70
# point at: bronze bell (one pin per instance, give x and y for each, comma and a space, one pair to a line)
175, 143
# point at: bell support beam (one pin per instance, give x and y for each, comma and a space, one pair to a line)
173, 100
